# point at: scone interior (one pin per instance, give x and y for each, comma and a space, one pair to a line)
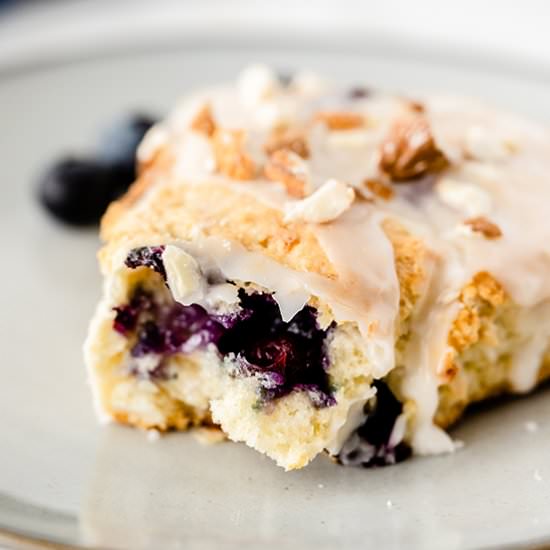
223, 353
316, 268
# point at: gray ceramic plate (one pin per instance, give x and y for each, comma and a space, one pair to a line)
65, 481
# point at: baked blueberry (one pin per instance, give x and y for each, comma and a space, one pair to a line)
370, 445
282, 356
76, 191
147, 256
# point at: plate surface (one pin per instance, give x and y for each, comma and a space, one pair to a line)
63, 479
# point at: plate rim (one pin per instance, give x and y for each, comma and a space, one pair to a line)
381, 45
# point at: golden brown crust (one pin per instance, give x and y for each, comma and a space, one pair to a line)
178, 417
174, 210
412, 259
471, 376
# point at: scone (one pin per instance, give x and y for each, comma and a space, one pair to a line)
316, 268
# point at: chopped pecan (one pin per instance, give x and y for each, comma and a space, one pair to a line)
410, 151
416, 106
292, 139
231, 156
287, 167
484, 226
203, 121
340, 120
378, 188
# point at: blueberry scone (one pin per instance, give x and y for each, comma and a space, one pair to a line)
316, 268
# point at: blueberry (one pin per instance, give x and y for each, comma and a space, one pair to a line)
282, 356
118, 147
76, 191
369, 446
147, 256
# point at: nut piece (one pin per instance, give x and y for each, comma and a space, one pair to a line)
468, 198
484, 226
203, 121
340, 120
327, 203
257, 83
381, 190
410, 151
231, 156
292, 139
416, 106
482, 144
183, 275
289, 169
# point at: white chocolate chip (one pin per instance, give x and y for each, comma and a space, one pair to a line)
484, 145
183, 275
327, 203
271, 113
470, 199
257, 83
308, 83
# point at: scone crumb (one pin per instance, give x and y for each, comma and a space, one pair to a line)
231, 156
340, 120
292, 139
449, 367
203, 121
209, 435
153, 435
410, 150
326, 204
483, 286
379, 189
482, 225
291, 170
531, 426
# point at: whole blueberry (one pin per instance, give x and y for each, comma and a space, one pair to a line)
76, 191
118, 147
